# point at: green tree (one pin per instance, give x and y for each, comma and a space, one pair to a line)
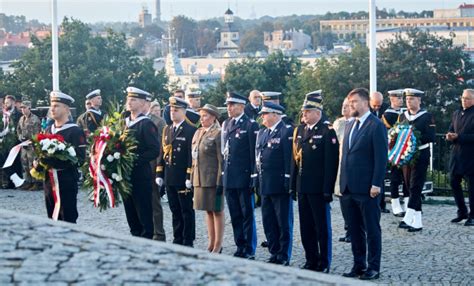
86, 62
185, 30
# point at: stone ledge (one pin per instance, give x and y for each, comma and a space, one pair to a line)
39, 250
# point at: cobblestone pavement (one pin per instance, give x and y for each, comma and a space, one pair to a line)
441, 254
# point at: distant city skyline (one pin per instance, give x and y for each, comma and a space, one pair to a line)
127, 11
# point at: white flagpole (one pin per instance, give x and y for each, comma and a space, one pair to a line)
372, 46
54, 37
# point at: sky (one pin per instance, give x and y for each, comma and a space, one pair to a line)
127, 10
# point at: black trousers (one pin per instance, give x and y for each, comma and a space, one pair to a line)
68, 195
364, 227
240, 203
183, 217
396, 178
456, 181
315, 228
277, 218
415, 177
138, 208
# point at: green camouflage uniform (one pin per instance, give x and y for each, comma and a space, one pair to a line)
27, 127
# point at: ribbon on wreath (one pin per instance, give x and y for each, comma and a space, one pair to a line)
101, 181
401, 144
53, 178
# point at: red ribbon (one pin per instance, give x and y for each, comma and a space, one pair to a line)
53, 179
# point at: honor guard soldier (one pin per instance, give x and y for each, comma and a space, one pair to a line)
273, 96
91, 119
253, 107
389, 119
415, 176
192, 116
28, 126
239, 134
273, 165
67, 173
314, 172
138, 208
174, 171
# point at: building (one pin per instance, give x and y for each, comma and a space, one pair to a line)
463, 16
229, 40
157, 11
144, 18
291, 41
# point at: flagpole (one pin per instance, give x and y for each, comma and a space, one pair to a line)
54, 37
372, 46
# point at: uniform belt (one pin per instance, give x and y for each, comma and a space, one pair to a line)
424, 146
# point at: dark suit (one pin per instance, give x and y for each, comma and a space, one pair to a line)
251, 111
462, 158
314, 173
176, 162
381, 110
239, 163
273, 151
363, 166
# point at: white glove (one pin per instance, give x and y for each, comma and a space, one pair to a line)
188, 184
159, 181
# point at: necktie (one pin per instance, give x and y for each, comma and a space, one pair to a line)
355, 131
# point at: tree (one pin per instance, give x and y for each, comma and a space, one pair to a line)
86, 62
185, 33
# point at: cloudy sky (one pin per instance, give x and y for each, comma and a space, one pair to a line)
128, 10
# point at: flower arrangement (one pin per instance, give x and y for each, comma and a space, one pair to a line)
49, 147
111, 161
403, 143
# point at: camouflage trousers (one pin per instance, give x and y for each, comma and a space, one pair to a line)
27, 157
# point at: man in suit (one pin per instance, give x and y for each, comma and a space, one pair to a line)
314, 172
363, 163
461, 136
174, 166
273, 165
238, 139
253, 107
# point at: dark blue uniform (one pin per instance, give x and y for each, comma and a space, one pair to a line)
273, 165
192, 117
239, 163
176, 161
251, 111
138, 206
314, 172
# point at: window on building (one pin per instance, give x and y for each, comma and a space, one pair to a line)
455, 24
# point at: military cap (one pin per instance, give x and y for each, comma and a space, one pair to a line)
194, 94
412, 92
270, 107
313, 100
137, 93
178, 102
26, 103
57, 96
211, 109
395, 92
93, 94
270, 95
233, 97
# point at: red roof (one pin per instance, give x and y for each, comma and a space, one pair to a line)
466, 6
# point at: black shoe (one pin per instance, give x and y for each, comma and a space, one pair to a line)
459, 218
403, 225
282, 262
402, 214
385, 211
238, 253
370, 275
413, 229
469, 222
354, 273
348, 239
342, 239
322, 269
248, 256
272, 259
308, 266
264, 243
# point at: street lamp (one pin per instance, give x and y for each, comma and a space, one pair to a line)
372, 46
54, 38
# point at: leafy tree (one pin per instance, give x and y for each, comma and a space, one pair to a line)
86, 62
185, 33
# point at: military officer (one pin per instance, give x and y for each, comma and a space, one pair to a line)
314, 172
389, 119
273, 96
273, 165
461, 135
192, 116
174, 171
66, 174
415, 176
238, 139
138, 208
253, 107
91, 119
28, 126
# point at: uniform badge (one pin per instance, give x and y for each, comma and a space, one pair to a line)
333, 141
178, 149
310, 141
269, 145
237, 135
314, 147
